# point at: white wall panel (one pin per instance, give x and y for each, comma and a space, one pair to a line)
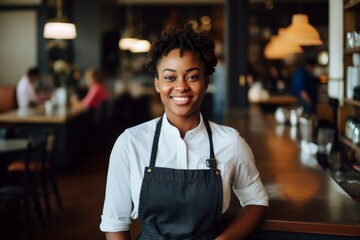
18, 46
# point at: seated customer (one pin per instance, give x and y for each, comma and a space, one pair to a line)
97, 93
25, 90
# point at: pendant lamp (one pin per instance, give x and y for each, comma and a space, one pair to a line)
125, 43
301, 32
284, 46
140, 46
277, 48
128, 40
59, 27
270, 51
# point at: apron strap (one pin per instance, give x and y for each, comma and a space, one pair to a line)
209, 162
212, 155
155, 142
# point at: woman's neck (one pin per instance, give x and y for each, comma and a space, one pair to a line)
184, 124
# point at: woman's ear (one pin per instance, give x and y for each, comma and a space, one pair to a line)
156, 84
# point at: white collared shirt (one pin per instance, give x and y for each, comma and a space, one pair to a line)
25, 92
131, 154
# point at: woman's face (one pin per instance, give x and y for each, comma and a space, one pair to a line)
181, 83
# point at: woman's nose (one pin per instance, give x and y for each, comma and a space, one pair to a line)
182, 85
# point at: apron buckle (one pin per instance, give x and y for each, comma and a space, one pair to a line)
211, 163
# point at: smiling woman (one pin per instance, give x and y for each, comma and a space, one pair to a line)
176, 173
181, 83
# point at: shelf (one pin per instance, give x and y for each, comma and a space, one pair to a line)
348, 143
352, 50
352, 102
352, 5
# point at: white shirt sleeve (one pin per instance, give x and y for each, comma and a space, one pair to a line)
117, 209
246, 181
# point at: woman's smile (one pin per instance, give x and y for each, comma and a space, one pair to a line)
181, 100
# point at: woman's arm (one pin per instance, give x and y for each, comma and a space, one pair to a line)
248, 219
118, 235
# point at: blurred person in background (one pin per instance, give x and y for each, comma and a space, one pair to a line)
96, 94
304, 86
277, 83
26, 94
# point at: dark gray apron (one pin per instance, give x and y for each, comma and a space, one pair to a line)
180, 204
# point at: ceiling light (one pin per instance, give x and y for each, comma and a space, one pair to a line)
277, 48
300, 31
129, 39
59, 27
126, 43
284, 46
140, 46
270, 50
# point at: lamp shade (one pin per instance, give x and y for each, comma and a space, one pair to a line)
127, 42
140, 46
284, 46
301, 32
271, 51
277, 48
59, 29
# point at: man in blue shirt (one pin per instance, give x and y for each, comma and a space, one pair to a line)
304, 86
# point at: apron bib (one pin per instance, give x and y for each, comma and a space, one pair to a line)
180, 204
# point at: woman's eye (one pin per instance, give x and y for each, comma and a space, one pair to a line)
169, 78
193, 77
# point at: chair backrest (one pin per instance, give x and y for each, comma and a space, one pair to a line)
34, 153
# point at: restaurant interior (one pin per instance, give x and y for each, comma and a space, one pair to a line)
54, 153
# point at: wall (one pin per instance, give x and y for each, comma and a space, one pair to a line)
87, 45
18, 46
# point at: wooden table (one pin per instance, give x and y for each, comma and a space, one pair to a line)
59, 115
305, 202
65, 120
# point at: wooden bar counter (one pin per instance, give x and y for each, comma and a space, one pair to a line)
272, 102
65, 120
305, 202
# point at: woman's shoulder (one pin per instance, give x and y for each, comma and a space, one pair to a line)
137, 135
223, 130
143, 129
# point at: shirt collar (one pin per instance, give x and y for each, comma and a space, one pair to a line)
173, 131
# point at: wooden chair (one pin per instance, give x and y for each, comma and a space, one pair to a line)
46, 170
25, 189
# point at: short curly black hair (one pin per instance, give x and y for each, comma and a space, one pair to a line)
183, 39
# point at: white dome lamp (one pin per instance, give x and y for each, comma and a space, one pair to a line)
59, 27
